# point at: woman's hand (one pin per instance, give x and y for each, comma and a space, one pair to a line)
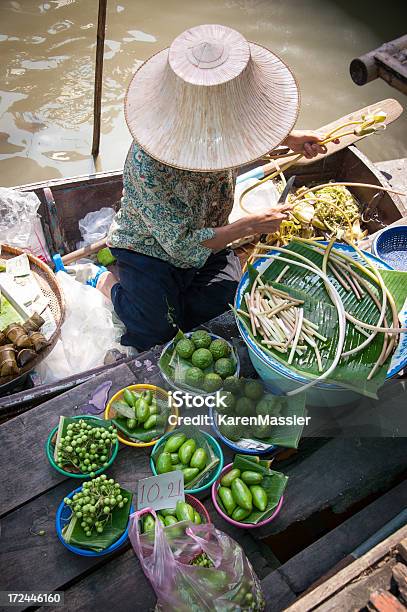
269, 221
263, 223
307, 142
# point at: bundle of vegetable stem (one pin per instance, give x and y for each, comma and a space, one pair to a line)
350, 281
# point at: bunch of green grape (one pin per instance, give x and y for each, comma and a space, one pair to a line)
96, 502
85, 446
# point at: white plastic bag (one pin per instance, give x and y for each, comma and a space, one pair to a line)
257, 201
87, 333
20, 224
95, 226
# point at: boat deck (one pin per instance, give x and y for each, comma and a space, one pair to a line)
331, 481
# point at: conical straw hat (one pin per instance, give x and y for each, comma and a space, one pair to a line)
211, 101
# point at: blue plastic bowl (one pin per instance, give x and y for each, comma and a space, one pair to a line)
63, 516
243, 451
216, 449
391, 246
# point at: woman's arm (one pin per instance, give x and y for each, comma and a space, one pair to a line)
306, 142
265, 223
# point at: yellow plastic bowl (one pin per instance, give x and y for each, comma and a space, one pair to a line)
161, 393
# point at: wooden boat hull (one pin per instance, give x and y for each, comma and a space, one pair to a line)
64, 203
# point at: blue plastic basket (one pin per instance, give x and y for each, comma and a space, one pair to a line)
234, 446
63, 517
391, 246
217, 470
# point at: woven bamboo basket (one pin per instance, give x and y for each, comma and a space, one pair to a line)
53, 292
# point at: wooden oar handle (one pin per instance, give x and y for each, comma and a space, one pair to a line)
84, 252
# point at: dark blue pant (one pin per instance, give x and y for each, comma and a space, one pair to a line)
155, 298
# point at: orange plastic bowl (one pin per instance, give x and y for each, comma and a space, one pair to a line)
110, 413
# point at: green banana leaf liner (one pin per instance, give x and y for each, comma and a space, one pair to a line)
352, 372
175, 367
62, 430
139, 434
273, 482
8, 314
75, 535
201, 442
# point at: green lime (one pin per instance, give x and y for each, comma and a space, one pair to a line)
201, 338
185, 348
244, 406
202, 358
219, 348
194, 377
226, 402
269, 404
212, 382
254, 389
224, 367
233, 384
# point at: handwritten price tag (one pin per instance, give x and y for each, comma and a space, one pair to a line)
161, 491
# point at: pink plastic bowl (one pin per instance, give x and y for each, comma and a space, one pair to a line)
227, 518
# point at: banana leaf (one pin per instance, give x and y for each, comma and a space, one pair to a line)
74, 534
8, 314
351, 372
288, 435
273, 482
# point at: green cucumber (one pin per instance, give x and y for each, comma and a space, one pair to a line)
242, 494
239, 514
170, 520
227, 499
197, 518
151, 421
174, 458
142, 410
130, 398
174, 442
259, 497
187, 450
148, 523
199, 459
229, 477
163, 463
184, 511
189, 474
168, 512
251, 478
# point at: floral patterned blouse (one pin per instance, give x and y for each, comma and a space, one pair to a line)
167, 213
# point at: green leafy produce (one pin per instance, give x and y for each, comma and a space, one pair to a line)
201, 338
105, 257
219, 348
202, 358
84, 445
225, 367
100, 513
212, 382
185, 348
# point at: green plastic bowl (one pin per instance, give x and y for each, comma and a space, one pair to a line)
211, 478
49, 449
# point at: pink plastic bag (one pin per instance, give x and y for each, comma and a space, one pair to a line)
230, 585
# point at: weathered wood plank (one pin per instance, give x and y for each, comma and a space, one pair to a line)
400, 577
277, 592
305, 568
22, 440
345, 576
337, 475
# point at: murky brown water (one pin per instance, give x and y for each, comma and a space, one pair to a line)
47, 62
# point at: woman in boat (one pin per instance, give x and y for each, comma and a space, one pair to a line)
197, 111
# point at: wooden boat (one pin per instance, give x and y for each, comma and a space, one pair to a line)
65, 202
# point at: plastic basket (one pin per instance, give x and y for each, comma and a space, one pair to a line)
49, 449
227, 518
139, 388
63, 517
217, 470
391, 246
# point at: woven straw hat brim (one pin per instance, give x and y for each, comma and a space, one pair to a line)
212, 128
